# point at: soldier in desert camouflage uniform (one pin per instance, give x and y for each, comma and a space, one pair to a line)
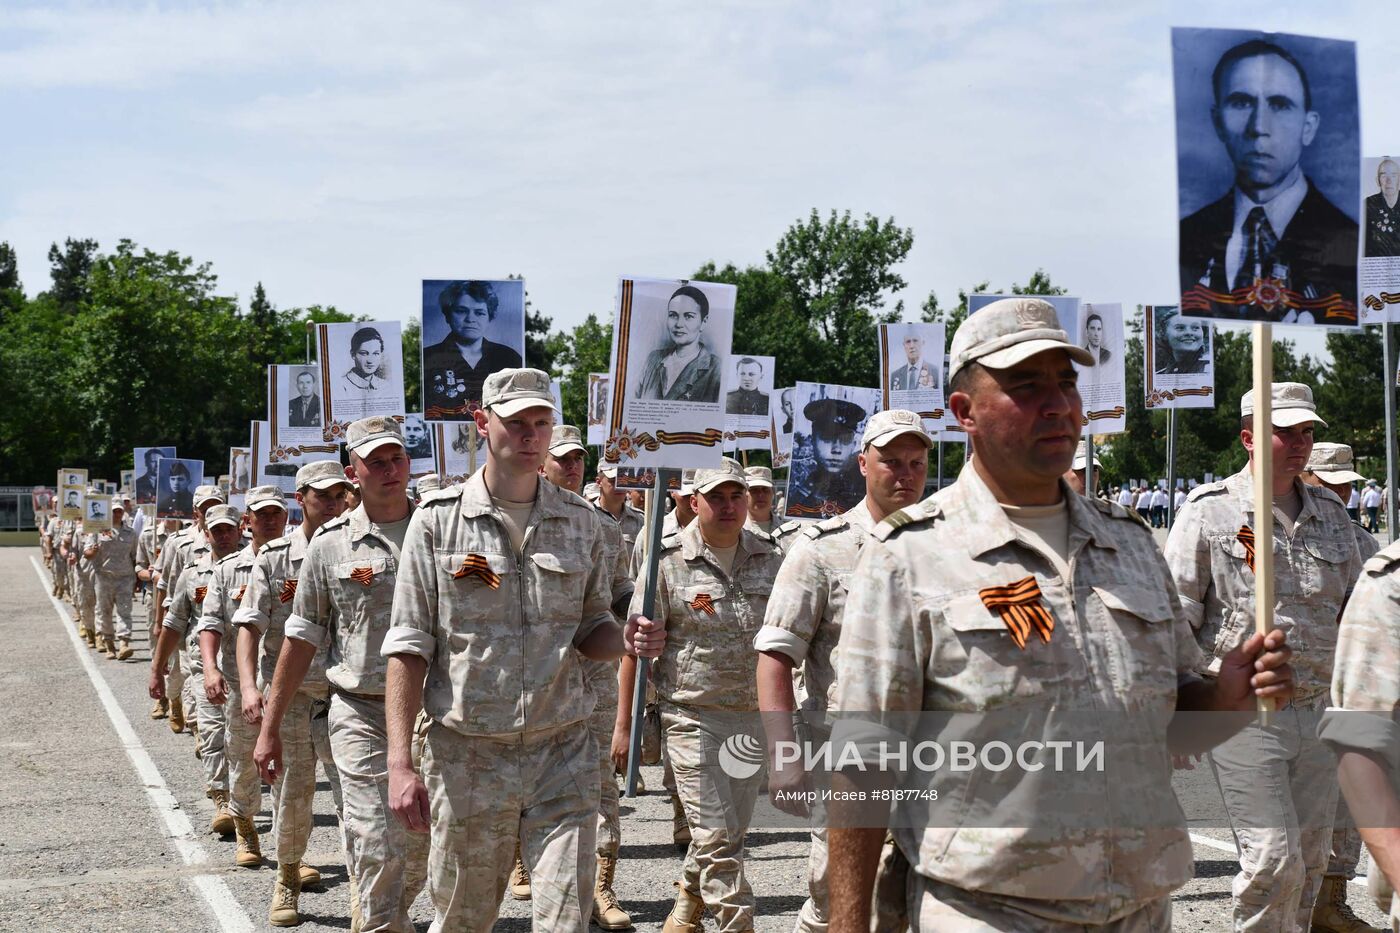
1285, 836
182, 548
504, 582
113, 557
923, 630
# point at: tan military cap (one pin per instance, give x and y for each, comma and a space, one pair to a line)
510, 391
117, 504
204, 493
1008, 332
564, 438
759, 476
367, 435
260, 496
429, 482
729, 471
222, 515
321, 474
590, 492
609, 472
885, 426
687, 482
1081, 457
1293, 405
1333, 463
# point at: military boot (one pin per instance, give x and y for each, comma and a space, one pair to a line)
177, 714
607, 912
249, 853
90, 637
685, 915
222, 823
284, 896
109, 645
83, 632
124, 649
680, 826
1331, 913
519, 878
309, 876
194, 733
160, 709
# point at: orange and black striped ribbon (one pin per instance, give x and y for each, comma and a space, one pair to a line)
289, 590
474, 565
362, 575
241, 590
1020, 608
705, 603
199, 592
1245, 536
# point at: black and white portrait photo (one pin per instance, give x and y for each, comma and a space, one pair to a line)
1178, 367
752, 381
295, 407
177, 480
147, 482
1380, 264
70, 502
1268, 156
303, 400
1092, 334
471, 329
239, 470
364, 367
97, 514
598, 396
824, 477
911, 369
683, 366
419, 442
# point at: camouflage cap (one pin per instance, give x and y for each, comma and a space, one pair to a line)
508, 392
365, 436
1008, 332
1333, 463
729, 471
609, 472
564, 438
429, 482
885, 426
260, 496
222, 515
321, 474
590, 492
1293, 405
117, 504
759, 476
1081, 457
203, 494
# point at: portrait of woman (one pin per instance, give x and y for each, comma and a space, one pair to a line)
683, 368
368, 373
1180, 345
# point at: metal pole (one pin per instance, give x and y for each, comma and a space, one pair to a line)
940, 463
1171, 466
656, 514
1389, 377
1088, 462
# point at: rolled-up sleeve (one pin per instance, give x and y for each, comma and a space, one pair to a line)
179, 606
413, 619
312, 609
255, 609
797, 605
1188, 560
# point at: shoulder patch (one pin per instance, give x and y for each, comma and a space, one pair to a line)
1206, 489
228, 557
826, 525
919, 513
787, 528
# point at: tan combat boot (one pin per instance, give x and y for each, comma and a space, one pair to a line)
680, 826
222, 823
160, 709
124, 649
309, 876
685, 915
83, 632
607, 912
90, 637
285, 889
109, 645
519, 878
177, 714
249, 852
356, 918
1331, 913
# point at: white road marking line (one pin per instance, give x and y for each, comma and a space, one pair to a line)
229, 914
1229, 847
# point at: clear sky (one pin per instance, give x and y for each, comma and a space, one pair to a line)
340, 151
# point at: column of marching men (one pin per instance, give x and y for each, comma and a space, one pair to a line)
462, 668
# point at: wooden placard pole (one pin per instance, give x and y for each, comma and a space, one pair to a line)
1263, 429
655, 512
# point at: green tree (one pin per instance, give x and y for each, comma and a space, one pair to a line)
69, 268
411, 339
1352, 398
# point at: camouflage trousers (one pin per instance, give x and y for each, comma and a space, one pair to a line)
936, 907
191, 677
718, 808
60, 576
213, 738
85, 601
1280, 787
388, 862
1346, 843
600, 678
245, 786
486, 793
889, 911
305, 741
113, 594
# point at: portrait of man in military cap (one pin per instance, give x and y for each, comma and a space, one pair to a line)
825, 477
177, 482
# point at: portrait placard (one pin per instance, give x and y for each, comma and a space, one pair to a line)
670, 338
912, 368
1268, 173
277, 466
97, 514
361, 374
70, 499
1102, 386
72, 476
1179, 359
176, 481
471, 329
782, 420
418, 440
458, 449
748, 422
294, 405
41, 498
597, 409
128, 482
147, 483
556, 389
240, 471
1380, 246
824, 477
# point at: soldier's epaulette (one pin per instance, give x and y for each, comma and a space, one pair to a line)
446, 494
338, 522
228, 557
1114, 510
760, 534
1206, 489
835, 523
1383, 560
915, 514
277, 544
671, 541
1323, 493
787, 528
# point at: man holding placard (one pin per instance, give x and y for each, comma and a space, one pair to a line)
1279, 783
113, 554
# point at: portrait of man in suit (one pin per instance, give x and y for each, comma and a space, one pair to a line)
747, 399
304, 408
916, 373
1272, 247
146, 486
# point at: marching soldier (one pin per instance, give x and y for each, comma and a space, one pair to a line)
185, 547
714, 579
218, 647
343, 600
802, 627
614, 501
760, 498
504, 582
113, 556
1006, 592
149, 545
261, 620
1285, 837
84, 585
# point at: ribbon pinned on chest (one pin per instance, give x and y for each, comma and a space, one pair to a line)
289, 590
1020, 609
1245, 536
363, 575
705, 603
475, 565
241, 590
199, 592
